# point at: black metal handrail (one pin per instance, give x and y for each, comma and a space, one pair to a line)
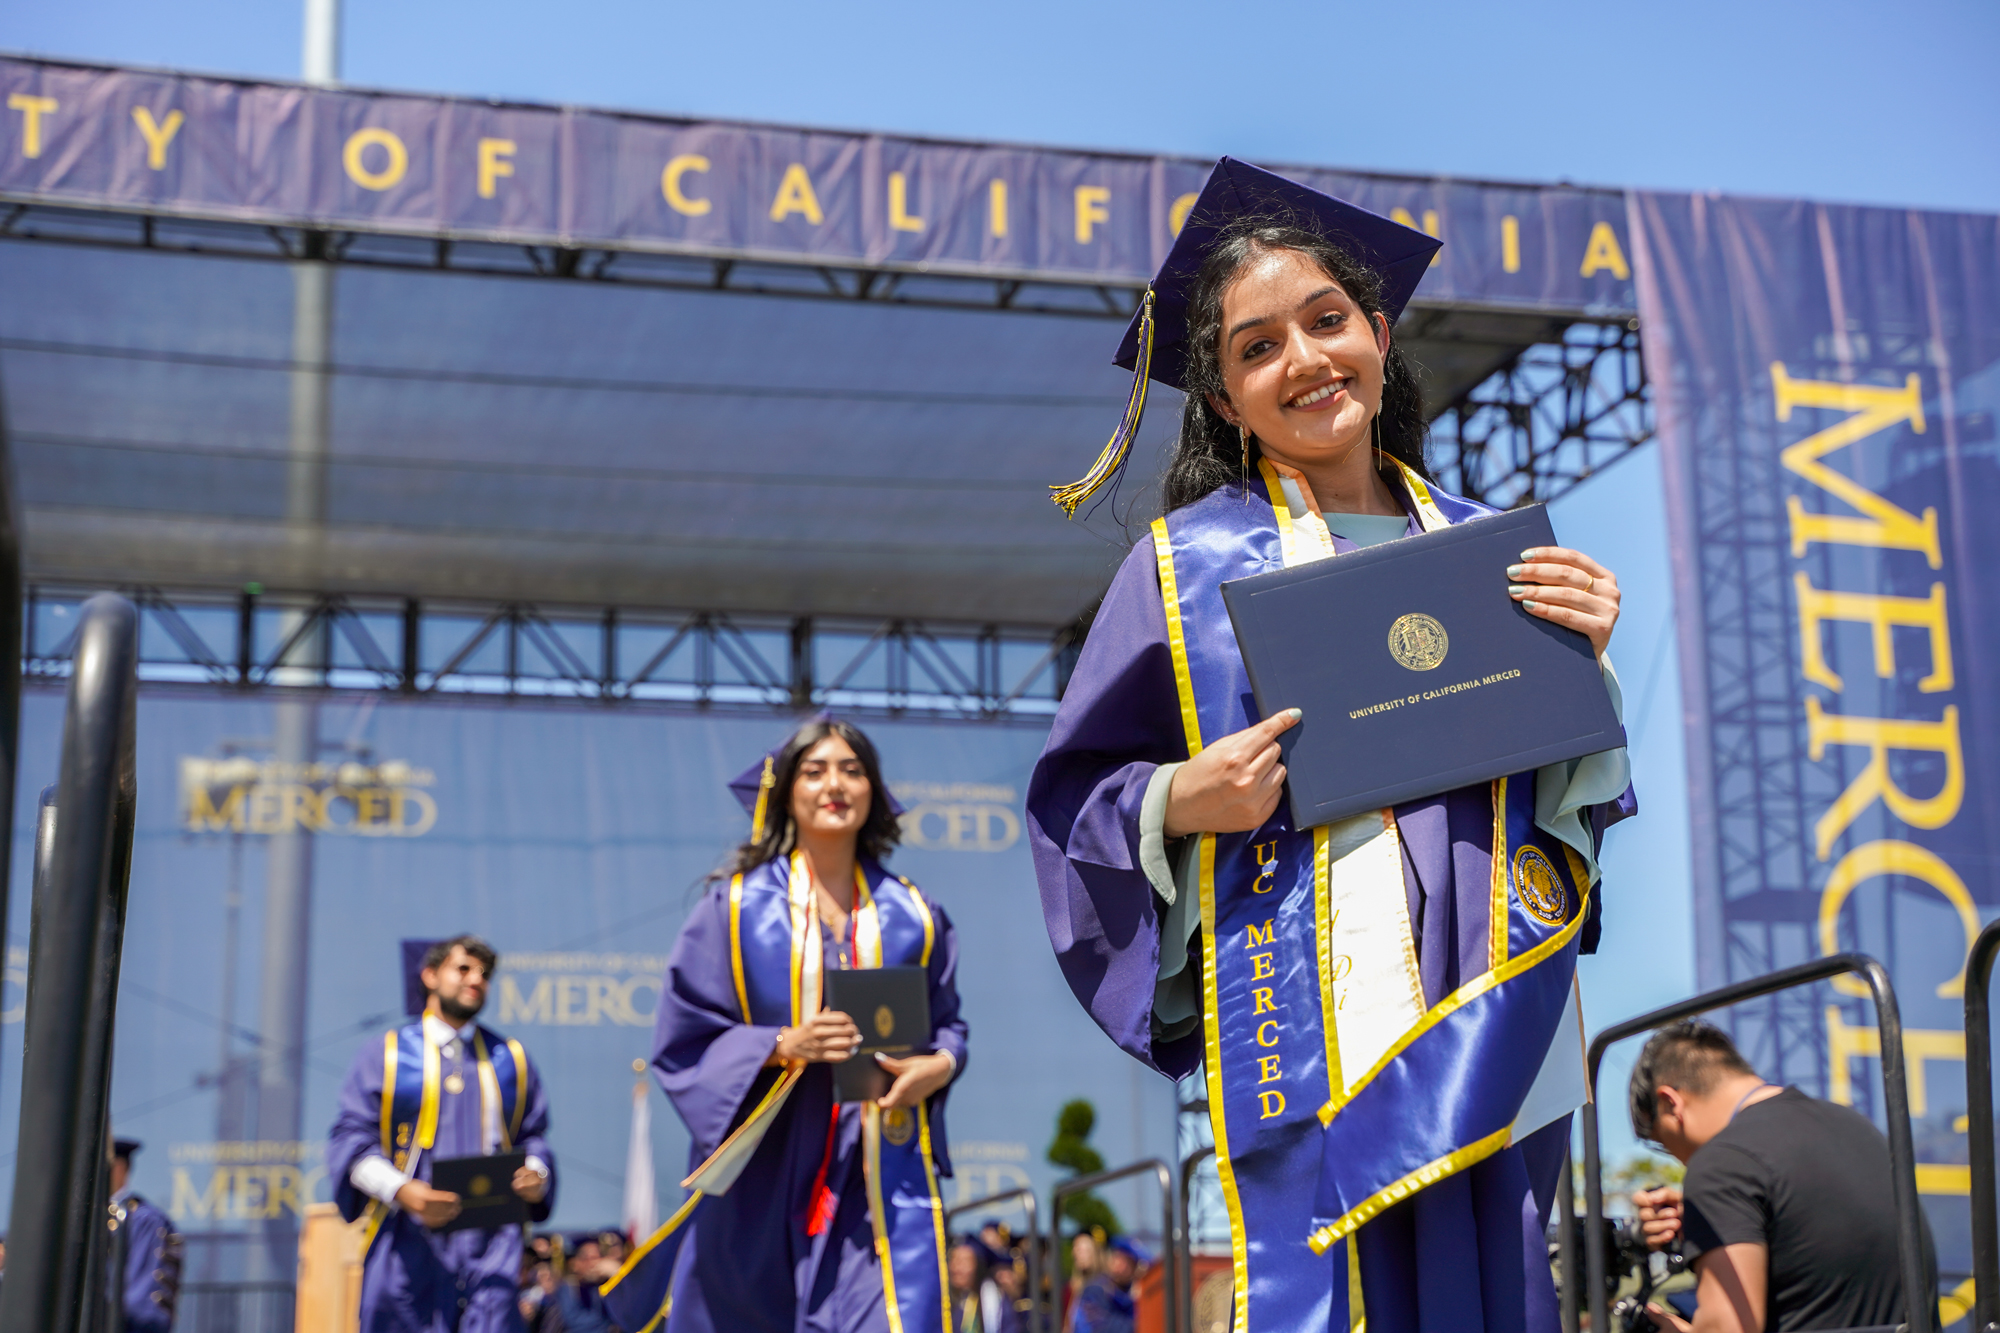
1919, 1307
1169, 1230
1566, 1255
61, 1188
1025, 1198
1979, 1127
1184, 1252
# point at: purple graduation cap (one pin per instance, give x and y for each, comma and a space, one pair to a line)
753, 786
414, 994
1155, 344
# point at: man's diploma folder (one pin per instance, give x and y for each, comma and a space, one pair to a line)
485, 1189
892, 1007
1415, 670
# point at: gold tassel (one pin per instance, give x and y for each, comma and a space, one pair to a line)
764, 787
1113, 458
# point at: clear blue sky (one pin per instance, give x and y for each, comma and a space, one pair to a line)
1876, 103
1835, 99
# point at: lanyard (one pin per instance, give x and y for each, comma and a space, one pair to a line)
1747, 1096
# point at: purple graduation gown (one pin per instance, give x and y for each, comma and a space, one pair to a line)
151, 1281
1465, 1255
415, 1280
751, 1265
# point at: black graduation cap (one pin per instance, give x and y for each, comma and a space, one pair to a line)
1155, 344
414, 994
753, 786
124, 1148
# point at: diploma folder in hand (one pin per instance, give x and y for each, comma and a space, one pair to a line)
485, 1190
1415, 670
892, 1007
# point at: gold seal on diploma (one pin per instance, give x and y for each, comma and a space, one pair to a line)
481, 1186
1418, 642
885, 1021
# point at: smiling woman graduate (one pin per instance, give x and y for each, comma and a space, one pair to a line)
1384, 1008
805, 1214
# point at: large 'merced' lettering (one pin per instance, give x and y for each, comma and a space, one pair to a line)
1879, 524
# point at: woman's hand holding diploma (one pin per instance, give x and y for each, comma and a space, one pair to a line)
828, 1037
1568, 588
917, 1077
1233, 785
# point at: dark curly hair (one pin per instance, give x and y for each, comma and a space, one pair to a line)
879, 832
1209, 453
477, 949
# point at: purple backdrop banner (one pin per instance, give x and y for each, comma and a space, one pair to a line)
1827, 379
287, 155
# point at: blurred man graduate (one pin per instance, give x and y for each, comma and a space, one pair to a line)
148, 1279
440, 1087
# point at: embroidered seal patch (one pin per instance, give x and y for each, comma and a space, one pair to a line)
1540, 888
1418, 642
898, 1124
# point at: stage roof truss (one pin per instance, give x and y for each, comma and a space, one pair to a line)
1554, 415
698, 659
675, 270
545, 394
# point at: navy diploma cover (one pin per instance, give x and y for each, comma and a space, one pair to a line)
892, 1007
1415, 670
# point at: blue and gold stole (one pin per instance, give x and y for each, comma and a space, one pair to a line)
776, 960
410, 1088
1309, 968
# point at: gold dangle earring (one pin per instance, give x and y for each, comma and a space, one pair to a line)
1243, 478
1376, 423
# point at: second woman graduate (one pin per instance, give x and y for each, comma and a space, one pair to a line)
807, 1215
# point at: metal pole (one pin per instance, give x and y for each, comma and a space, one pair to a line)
11, 635
1979, 1126
319, 52
289, 865
1186, 1256
1594, 1258
1566, 1262
84, 848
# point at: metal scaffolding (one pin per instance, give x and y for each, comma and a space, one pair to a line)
885, 284
608, 655
1553, 416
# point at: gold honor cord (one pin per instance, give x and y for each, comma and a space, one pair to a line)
1113, 458
736, 938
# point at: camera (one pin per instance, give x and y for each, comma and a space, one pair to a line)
1625, 1255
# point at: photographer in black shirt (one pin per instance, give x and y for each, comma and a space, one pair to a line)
1787, 1211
